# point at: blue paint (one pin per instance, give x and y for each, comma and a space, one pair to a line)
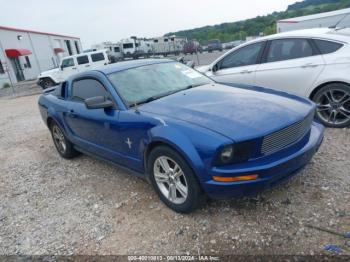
197, 123
333, 248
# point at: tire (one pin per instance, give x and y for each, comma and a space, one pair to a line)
46, 83
162, 182
64, 147
333, 105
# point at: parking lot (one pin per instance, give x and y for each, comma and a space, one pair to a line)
84, 206
204, 58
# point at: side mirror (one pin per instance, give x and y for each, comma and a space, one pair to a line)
190, 64
181, 59
98, 102
215, 68
61, 66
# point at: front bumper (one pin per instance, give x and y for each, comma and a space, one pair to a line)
270, 173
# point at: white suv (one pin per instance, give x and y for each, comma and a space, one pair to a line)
71, 65
313, 63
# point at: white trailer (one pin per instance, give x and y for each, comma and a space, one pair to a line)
168, 45
339, 18
114, 50
135, 47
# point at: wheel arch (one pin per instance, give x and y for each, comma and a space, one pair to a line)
49, 121
48, 77
52, 117
315, 90
157, 143
179, 143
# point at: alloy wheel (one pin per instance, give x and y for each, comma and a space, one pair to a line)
333, 106
59, 139
170, 179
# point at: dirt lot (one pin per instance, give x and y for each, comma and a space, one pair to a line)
54, 206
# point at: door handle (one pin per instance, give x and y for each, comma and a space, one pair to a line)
309, 65
72, 113
246, 72
87, 65
74, 68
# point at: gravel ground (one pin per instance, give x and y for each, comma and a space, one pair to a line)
24, 88
84, 206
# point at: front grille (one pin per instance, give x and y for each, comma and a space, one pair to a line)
286, 136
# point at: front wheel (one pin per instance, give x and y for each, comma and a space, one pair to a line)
333, 105
46, 83
173, 180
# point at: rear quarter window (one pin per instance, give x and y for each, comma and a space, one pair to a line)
327, 47
97, 57
83, 59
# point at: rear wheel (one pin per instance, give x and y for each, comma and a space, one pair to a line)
333, 105
173, 180
64, 147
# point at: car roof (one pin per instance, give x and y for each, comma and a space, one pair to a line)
342, 35
86, 53
120, 66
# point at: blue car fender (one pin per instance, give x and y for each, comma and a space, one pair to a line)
181, 143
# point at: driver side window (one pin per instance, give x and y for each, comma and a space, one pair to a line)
87, 88
68, 62
244, 56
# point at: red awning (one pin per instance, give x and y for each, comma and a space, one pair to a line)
17, 52
58, 50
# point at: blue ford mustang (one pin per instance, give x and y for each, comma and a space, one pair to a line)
188, 135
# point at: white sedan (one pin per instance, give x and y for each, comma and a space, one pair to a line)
313, 63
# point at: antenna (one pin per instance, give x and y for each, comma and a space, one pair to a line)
340, 20
136, 107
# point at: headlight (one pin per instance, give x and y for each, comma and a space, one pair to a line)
226, 154
235, 153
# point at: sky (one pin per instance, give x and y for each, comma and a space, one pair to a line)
111, 20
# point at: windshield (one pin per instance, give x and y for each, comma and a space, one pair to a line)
147, 83
213, 42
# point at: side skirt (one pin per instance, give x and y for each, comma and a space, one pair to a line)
135, 173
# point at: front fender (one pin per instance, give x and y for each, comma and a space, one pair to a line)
181, 143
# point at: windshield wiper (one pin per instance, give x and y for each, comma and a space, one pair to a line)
144, 101
193, 86
152, 98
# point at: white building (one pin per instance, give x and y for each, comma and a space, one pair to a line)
341, 18
24, 54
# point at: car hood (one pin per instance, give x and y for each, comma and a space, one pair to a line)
49, 72
237, 113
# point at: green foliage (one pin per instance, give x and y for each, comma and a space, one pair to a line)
6, 85
227, 32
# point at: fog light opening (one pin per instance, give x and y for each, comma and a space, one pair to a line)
235, 178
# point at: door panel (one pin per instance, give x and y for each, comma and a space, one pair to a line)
291, 66
69, 67
95, 130
239, 66
239, 75
100, 131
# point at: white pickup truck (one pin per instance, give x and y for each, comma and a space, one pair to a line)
71, 65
